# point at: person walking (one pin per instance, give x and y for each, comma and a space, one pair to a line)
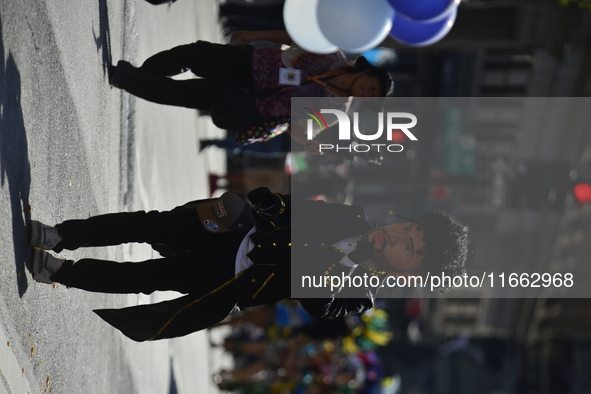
227, 256
247, 88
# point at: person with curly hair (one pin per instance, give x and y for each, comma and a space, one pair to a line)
227, 256
446, 245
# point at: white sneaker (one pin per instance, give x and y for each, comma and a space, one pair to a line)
43, 236
45, 265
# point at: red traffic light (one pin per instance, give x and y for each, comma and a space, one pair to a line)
440, 191
582, 192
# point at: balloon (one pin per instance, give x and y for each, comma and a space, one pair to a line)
355, 25
301, 22
424, 10
420, 34
381, 57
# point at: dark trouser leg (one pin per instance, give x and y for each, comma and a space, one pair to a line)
179, 228
168, 63
253, 23
228, 143
191, 93
204, 59
200, 271
271, 11
183, 273
222, 67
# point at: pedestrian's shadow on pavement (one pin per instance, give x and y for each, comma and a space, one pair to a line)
103, 40
172, 388
15, 171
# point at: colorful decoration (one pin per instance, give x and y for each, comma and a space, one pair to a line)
263, 132
371, 332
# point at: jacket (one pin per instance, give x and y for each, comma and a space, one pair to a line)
308, 236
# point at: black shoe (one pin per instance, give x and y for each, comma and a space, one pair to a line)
111, 73
158, 2
204, 144
117, 73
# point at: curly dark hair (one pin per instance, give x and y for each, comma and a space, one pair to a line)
446, 244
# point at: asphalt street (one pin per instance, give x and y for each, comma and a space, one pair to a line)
72, 147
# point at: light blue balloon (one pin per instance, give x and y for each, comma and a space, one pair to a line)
355, 26
381, 57
420, 34
424, 10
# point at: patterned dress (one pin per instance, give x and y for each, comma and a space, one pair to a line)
266, 63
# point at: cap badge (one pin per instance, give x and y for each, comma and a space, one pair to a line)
211, 225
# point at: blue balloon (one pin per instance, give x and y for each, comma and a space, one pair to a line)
355, 26
420, 34
381, 57
424, 10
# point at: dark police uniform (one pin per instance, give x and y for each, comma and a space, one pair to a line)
206, 274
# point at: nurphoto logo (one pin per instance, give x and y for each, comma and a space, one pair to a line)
392, 123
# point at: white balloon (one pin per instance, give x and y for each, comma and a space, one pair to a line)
301, 22
355, 25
